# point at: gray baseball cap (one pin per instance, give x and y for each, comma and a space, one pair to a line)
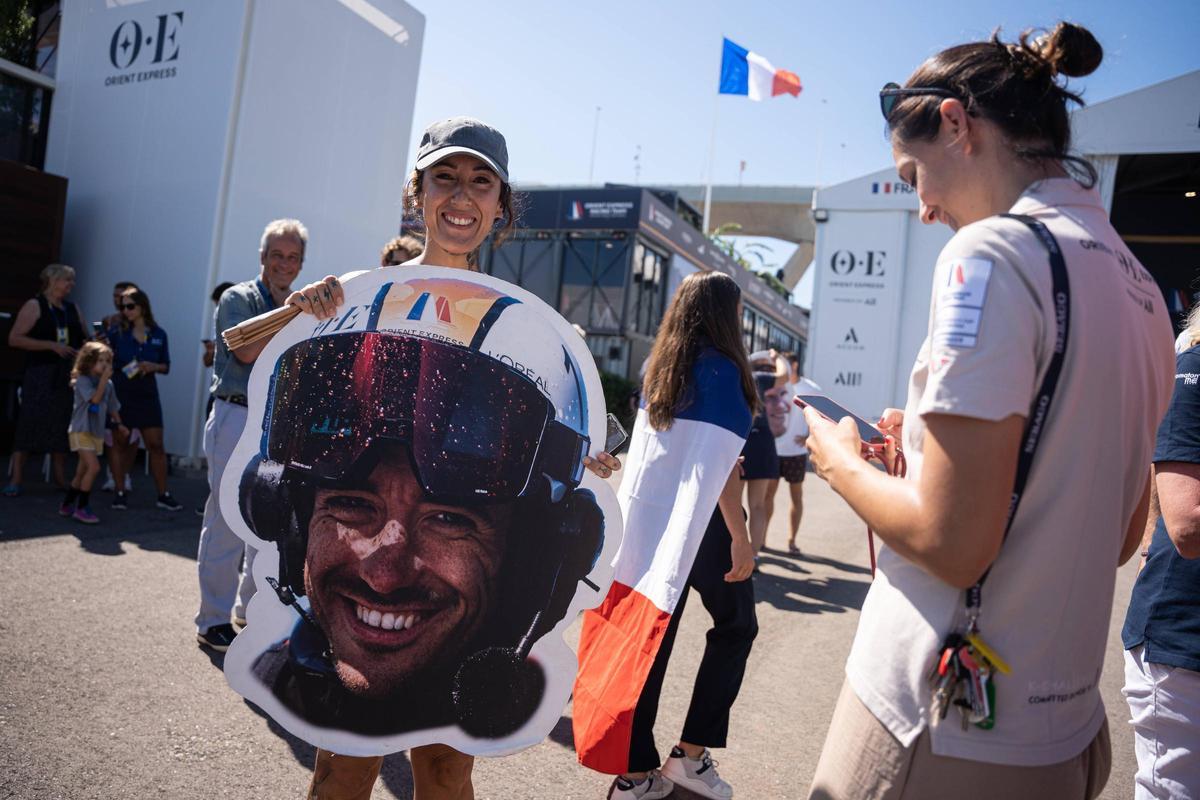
464, 135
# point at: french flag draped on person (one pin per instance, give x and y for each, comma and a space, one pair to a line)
671, 483
743, 72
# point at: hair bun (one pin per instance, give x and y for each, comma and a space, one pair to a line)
1070, 50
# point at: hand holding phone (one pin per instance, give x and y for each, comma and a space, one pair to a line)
616, 437
871, 436
606, 462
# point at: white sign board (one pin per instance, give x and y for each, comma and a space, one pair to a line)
856, 306
873, 262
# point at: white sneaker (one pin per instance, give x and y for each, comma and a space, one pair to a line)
109, 484
655, 787
697, 775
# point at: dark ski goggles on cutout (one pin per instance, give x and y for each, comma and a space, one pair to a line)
476, 430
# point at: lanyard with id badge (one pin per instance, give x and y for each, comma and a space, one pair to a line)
134, 368
965, 666
62, 332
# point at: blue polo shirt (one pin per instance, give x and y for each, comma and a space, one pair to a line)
239, 303
1164, 611
127, 348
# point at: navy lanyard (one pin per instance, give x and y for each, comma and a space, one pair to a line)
141, 346
266, 294
1035, 424
60, 324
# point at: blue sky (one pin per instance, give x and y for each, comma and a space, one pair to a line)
537, 70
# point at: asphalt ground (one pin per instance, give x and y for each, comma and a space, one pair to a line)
104, 692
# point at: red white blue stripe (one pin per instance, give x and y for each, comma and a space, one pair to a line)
747, 73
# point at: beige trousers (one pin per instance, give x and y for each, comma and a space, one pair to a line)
862, 760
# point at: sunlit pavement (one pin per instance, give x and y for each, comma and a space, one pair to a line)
105, 694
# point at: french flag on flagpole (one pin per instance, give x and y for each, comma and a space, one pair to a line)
746, 73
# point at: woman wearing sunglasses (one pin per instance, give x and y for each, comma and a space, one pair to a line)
139, 354
1028, 431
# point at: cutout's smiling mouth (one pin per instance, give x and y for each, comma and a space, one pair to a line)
405, 617
387, 620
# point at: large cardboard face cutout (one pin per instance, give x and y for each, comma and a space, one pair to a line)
412, 477
776, 405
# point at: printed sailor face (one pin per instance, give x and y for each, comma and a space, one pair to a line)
418, 476
400, 584
776, 402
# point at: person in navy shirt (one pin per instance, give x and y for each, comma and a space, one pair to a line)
1162, 626
139, 354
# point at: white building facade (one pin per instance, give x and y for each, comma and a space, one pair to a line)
184, 126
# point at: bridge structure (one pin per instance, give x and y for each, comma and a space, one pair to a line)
778, 212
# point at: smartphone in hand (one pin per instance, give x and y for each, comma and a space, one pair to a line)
869, 434
616, 437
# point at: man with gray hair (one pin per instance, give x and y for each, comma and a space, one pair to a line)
281, 254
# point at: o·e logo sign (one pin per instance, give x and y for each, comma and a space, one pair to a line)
129, 38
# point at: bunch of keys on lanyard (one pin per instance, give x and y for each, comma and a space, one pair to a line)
963, 676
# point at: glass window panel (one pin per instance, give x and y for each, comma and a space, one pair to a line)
605, 316
23, 108
505, 262
608, 301
593, 282
539, 272
577, 281
646, 295
610, 263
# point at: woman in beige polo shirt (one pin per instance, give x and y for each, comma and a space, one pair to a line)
1045, 372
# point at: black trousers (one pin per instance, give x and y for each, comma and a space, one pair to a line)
735, 624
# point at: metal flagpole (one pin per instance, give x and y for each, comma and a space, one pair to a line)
821, 141
595, 136
712, 146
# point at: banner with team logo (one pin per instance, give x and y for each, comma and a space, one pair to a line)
856, 309
412, 478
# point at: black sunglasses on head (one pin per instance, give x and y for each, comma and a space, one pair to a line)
892, 92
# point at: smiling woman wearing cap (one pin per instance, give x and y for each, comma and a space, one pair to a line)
459, 188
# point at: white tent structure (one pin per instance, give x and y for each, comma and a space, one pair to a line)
184, 127
874, 259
